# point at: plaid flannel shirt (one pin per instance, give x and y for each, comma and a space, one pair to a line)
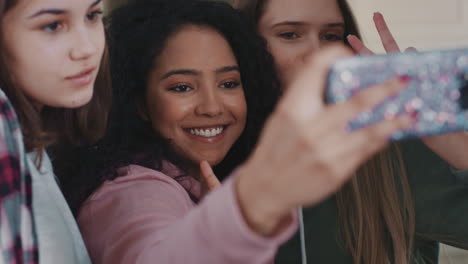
18, 242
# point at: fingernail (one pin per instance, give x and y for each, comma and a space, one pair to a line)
376, 13
405, 78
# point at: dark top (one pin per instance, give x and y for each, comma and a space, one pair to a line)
440, 197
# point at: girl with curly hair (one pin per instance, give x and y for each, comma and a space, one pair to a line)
188, 94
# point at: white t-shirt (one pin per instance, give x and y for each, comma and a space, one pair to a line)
59, 238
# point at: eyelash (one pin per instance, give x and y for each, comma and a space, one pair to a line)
232, 85
335, 37
287, 35
52, 27
291, 35
95, 15
182, 88
178, 89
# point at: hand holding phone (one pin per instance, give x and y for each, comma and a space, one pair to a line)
437, 92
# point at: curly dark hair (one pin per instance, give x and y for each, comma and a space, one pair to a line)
138, 33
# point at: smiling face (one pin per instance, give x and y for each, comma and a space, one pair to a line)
195, 97
53, 49
295, 28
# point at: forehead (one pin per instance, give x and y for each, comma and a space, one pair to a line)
31, 6
308, 11
196, 46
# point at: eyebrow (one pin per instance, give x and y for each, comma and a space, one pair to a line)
228, 69
52, 11
298, 23
196, 73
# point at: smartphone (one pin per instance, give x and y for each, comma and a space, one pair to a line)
438, 90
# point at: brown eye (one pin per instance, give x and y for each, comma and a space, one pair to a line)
230, 85
53, 27
289, 35
332, 37
180, 88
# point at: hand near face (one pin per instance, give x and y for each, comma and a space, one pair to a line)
208, 178
388, 41
306, 153
451, 147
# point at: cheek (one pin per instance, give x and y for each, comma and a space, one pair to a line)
100, 40
30, 62
30, 73
288, 57
242, 111
166, 115
238, 107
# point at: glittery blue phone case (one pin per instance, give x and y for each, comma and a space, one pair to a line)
438, 90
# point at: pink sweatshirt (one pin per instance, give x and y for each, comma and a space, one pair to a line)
145, 216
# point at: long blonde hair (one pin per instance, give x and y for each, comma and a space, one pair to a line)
376, 211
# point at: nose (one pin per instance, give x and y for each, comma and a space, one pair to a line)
313, 45
209, 103
83, 45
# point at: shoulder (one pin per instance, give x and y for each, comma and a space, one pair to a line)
11, 139
139, 183
12, 149
140, 192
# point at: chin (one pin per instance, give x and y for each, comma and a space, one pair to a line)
215, 161
78, 100
211, 160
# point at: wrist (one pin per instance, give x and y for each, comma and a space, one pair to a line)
262, 211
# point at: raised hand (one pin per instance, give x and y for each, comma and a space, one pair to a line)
208, 178
306, 153
388, 41
451, 147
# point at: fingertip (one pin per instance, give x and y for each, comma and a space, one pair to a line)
204, 164
352, 39
411, 49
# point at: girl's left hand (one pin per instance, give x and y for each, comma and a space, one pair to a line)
453, 147
208, 178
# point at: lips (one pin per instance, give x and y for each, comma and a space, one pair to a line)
84, 77
207, 133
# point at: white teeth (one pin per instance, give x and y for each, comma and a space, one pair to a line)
206, 132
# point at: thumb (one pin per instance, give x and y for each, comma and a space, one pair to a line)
208, 176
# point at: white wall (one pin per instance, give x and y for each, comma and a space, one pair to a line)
424, 24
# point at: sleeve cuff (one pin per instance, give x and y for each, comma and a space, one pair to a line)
233, 229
